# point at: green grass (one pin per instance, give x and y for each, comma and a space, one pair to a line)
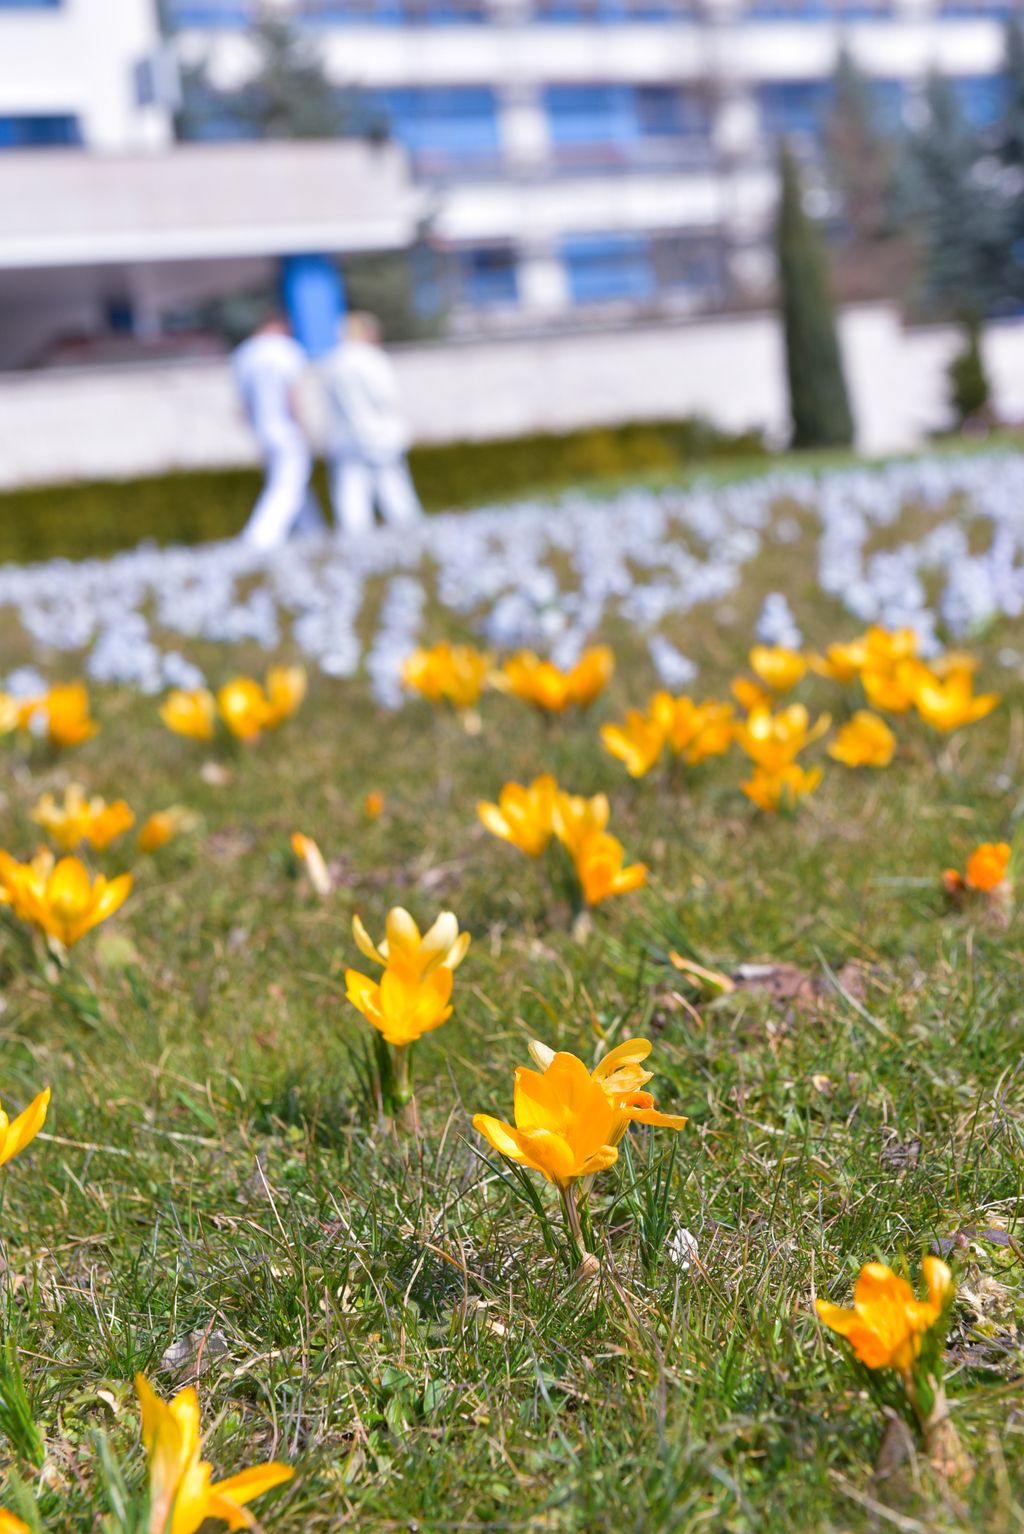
391, 1320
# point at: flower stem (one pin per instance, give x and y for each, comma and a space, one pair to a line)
407, 1117
588, 1263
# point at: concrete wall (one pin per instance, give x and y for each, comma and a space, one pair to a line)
122, 422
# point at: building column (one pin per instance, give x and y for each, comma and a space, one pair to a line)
523, 125
543, 283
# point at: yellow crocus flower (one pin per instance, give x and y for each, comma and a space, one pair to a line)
773, 741
841, 662
244, 708
888, 1321
591, 675
67, 824
864, 741
523, 815
637, 744
772, 789
454, 673
182, 1495
312, 859
567, 1124
950, 703
599, 859
551, 689
16, 1133
192, 713
10, 720
68, 722
778, 667
10, 1523
441, 946
162, 826
405, 1005
986, 871
286, 688
575, 818
893, 688
621, 1075
60, 899
80, 819
694, 731
750, 695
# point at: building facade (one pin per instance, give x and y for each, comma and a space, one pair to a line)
578, 161
610, 157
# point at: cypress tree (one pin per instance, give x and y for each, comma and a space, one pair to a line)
819, 403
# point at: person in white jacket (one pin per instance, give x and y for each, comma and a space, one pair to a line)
268, 369
366, 435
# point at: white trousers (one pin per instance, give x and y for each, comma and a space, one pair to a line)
286, 500
356, 485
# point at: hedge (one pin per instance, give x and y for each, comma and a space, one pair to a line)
80, 520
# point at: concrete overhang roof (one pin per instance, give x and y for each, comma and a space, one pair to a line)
204, 202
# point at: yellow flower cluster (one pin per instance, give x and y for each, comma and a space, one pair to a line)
987, 871
458, 674
245, 707
692, 732
60, 899
895, 678
61, 714
529, 816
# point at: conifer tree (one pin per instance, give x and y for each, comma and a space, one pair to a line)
1010, 148
958, 216
819, 403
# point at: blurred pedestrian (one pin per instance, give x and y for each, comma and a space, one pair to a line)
367, 438
268, 370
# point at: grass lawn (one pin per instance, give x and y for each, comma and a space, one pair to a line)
381, 1310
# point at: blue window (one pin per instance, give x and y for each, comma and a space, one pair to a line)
441, 126
795, 108
39, 131
622, 117
486, 278
209, 13
614, 10
228, 13
819, 10
1000, 10
395, 13
604, 267
981, 98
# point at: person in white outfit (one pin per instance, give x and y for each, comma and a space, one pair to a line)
366, 433
267, 370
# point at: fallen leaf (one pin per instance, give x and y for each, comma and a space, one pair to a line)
188, 1356
705, 979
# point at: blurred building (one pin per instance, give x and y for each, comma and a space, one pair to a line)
592, 158
108, 226
575, 161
